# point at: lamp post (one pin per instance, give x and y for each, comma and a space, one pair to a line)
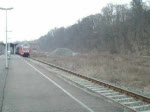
8, 41
6, 9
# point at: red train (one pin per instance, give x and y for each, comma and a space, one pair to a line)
23, 50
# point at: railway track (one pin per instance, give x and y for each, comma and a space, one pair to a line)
128, 99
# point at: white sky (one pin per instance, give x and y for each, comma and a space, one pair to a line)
31, 19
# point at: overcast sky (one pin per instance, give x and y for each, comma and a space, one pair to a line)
31, 19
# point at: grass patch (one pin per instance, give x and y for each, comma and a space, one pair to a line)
129, 71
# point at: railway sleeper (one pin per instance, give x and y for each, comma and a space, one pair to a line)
121, 96
104, 91
96, 88
111, 94
136, 104
132, 102
125, 100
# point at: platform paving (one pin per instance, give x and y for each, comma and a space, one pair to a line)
3, 75
26, 90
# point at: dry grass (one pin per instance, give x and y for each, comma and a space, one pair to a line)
128, 71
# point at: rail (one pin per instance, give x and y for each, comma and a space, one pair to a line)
105, 84
129, 93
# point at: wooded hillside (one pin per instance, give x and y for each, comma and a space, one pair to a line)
123, 29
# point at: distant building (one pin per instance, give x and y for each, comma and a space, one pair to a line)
2, 48
35, 47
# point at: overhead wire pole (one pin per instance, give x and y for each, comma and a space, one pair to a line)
6, 9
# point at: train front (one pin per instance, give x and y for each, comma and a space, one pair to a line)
25, 50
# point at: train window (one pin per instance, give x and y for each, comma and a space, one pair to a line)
26, 49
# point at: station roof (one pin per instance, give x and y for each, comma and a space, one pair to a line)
13, 44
